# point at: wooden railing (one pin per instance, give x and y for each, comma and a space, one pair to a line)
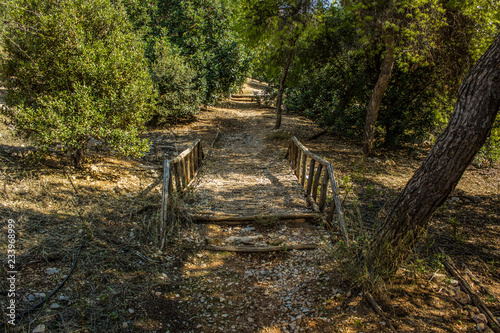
316, 176
178, 173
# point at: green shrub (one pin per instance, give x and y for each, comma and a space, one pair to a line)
174, 81
75, 73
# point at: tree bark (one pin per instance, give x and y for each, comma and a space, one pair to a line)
377, 94
475, 112
279, 98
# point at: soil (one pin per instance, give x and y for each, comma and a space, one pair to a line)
98, 218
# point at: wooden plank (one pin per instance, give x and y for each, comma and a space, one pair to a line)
253, 218
164, 202
187, 160
297, 167
312, 165
191, 165
324, 190
317, 177
178, 183
307, 152
262, 248
338, 206
303, 170
184, 172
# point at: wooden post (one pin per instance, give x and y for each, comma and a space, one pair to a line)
297, 167
178, 183
324, 190
317, 177
312, 165
184, 172
191, 164
303, 170
338, 206
164, 202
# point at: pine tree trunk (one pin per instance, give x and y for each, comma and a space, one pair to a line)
377, 94
281, 90
470, 125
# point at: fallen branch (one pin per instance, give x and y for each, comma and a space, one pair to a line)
448, 264
379, 311
155, 183
249, 249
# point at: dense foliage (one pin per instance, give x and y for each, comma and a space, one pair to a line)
200, 29
76, 73
174, 80
344, 55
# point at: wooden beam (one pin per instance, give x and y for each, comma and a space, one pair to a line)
303, 170
317, 177
324, 191
253, 218
262, 248
164, 202
310, 179
185, 152
307, 152
337, 204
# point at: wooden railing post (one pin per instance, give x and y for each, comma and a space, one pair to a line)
177, 174
164, 202
320, 176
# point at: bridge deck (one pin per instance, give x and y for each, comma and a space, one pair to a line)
247, 174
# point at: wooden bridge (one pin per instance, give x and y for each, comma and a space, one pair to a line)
240, 184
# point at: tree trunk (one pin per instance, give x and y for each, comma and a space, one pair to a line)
279, 98
377, 94
470, 125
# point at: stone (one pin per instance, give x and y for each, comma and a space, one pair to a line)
39, 329
124, 325
248, 240
250, 320
462, 298
439, 277
31, 298
63, 298
131, 311
51, 271
55, 306
473, 309
480, 318
39, 295
480, 327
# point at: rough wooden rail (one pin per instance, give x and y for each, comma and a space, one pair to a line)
178, 173
316, 175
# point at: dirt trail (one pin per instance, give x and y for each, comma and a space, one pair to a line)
247, 174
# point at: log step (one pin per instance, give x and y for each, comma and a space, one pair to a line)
243, 96
251, 249
232, 219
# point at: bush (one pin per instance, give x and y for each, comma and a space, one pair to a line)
75, 73
174, 82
